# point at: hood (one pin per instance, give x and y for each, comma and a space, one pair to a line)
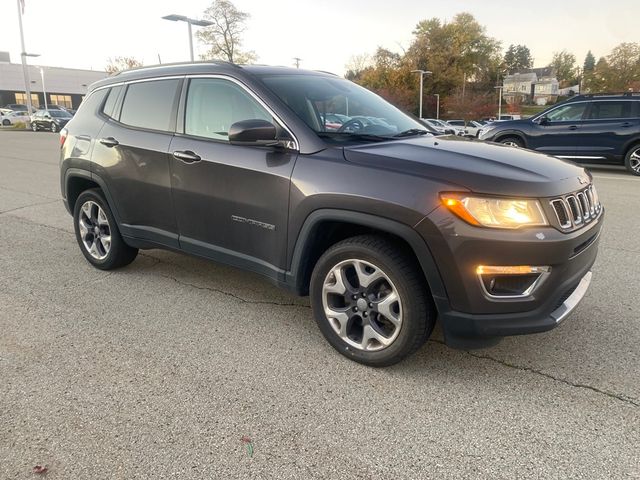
476, 166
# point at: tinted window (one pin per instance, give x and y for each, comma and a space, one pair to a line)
567, 113
213, 105
605, 110
111, 101
149, 104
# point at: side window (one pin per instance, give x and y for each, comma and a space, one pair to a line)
610, 110
110, 104
567, 113
214, 104
150, 104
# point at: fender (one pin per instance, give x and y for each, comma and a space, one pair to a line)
81, 173
510, 133
296, 274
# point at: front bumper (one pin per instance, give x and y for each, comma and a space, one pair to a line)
470, 318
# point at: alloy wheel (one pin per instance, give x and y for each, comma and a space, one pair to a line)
95, 231
362, 305
634, 160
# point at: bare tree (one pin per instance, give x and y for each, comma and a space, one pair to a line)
224, 36
117, 64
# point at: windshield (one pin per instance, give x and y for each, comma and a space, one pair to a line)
59, 113
338, 109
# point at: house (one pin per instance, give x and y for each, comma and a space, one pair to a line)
63, 86
537, 85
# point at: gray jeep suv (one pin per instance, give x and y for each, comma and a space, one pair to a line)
384, 225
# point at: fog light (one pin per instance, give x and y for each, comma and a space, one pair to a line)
516, 281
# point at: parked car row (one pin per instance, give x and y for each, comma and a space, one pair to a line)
53, 118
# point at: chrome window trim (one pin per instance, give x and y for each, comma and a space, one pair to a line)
255, 96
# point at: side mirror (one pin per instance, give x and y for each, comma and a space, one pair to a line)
544, 121
253, 132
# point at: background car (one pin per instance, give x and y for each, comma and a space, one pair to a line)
594, 128
439, 126
472, 128
12, 118
53, 120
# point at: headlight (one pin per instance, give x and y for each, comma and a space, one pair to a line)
495, 212
484, 131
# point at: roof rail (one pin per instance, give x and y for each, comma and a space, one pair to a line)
604, 95
176, 64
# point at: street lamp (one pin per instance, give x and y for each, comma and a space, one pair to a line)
422, 74
190, 21
44, 90
499, 88
437, 95
27, 81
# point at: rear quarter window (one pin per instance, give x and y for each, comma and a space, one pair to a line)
86, 121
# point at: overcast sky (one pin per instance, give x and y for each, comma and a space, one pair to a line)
324, 33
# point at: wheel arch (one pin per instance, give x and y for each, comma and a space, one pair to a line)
77, 180
324, 228
511, 133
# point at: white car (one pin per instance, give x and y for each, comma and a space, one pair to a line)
472, 128
439, 126
12, 118
458, 126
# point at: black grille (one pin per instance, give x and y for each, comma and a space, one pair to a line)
576, 209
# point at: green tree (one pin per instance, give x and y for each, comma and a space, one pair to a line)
224, 37
589, 62
564, 65
517, 58
118, 64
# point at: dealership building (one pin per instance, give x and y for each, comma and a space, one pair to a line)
63, 86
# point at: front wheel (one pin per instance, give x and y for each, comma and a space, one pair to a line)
97, 232
632, 160
370, 301
34, 126
54, 128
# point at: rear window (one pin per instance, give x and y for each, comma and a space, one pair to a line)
150, 104
611, 110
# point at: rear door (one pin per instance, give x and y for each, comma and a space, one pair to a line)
607, 129
131, 156
231, 201
560, 134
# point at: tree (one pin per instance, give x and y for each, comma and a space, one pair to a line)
117, 64
517, 58
357, 64
624, 66
564, 65
224, 37
589, 62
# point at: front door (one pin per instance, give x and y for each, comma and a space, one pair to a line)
559, 133
231, 201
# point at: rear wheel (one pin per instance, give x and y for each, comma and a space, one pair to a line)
632, 160
6, 122
370, 301
512, 141
54, 128
97, 233
34, 126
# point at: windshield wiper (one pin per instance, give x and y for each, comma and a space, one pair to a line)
411, 132
357, 136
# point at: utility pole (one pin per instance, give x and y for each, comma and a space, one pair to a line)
44, 90
499, 88
23, 56
297, 61
437, 95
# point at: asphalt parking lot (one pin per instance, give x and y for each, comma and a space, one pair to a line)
159, 369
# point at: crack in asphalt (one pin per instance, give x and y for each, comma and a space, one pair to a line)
616, 396
27, 206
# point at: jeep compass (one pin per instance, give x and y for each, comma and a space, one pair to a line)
324, 188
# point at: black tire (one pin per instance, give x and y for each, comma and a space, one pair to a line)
119, 254
513, 141
34, 126
6, 122
418, 310
54, 128
632, 160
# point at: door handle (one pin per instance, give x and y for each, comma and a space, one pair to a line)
187, 156
109, 142
573, 127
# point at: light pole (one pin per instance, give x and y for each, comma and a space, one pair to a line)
437, 95
23, 57
422, 74
190, 21
499, 88
44, 90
